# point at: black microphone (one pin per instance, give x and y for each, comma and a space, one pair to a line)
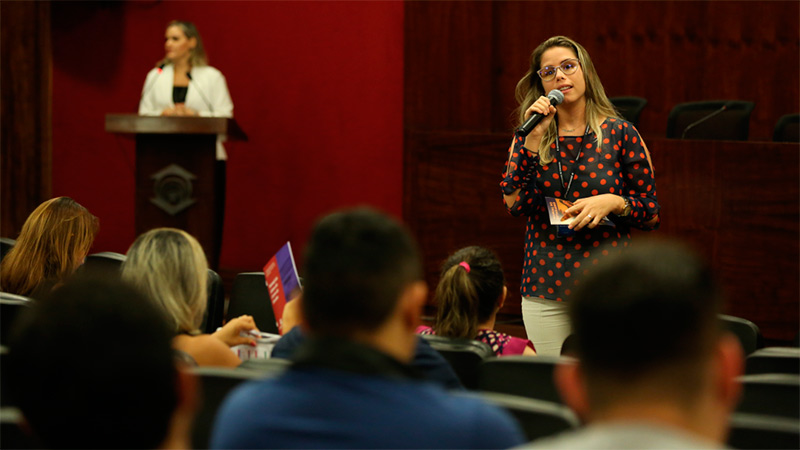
149, 87
556, 97
205, 99
704, 118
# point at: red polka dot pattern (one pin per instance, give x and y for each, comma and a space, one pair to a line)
619, 166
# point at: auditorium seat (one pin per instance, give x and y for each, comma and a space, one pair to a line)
11, 431
465, 355
537, 418
524, 376
774, 360
11, 306
267, 367
787, 129
249, 295
771, 394
748, 333
754, 431
5, 246
215, 384
630, 108
732, 124
215, 308
103, 264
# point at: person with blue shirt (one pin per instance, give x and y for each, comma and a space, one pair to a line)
351, 384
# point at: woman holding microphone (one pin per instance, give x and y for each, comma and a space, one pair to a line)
583, 153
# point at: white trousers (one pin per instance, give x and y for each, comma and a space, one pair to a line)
547, 324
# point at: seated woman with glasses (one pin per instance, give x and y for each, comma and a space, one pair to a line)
170, 267
470, 293
583, 153
53, 243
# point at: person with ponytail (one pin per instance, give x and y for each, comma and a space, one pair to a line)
470, 293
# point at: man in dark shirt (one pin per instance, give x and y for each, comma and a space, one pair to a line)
351, 385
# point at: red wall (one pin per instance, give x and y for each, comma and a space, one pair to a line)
317, 86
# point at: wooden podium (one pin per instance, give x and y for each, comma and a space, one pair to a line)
178, 183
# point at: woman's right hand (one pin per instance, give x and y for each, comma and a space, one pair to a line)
230, 332
541, 106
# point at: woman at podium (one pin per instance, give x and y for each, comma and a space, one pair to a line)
183, 84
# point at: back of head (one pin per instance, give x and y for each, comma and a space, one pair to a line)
170, 267
54, 240
470, 286
91, 366
357, 264
649, 312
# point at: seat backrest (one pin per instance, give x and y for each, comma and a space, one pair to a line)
537, 418
770, 394
630, 108
11, 306
464, 355
787, 129
5, 246
215, 308
524, 376
249, 295
215, 384
774, 360
12, 434
747, 332
104, 264
732, 124
759, 432
266, 367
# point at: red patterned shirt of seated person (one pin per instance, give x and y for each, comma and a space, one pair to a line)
470, 292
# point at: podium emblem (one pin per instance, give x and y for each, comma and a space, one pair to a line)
172, 186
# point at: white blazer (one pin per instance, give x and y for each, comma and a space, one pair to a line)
207, 94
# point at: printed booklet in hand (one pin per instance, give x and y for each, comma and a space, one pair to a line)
283, 283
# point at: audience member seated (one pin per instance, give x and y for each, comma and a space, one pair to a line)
471, 291
655, 369
170, 267
350, 385
91, 366
426, 359
53, 243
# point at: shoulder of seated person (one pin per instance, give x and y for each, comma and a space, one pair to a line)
206, 350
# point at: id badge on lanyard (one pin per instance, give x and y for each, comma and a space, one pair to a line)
564, 230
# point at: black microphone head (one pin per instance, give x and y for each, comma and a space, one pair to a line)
161, 66
189, 75
556, 97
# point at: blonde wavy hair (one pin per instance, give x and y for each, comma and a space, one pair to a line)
54, 241
170, 267
197, 55
530, 88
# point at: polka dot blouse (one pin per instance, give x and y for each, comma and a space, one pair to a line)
553, 265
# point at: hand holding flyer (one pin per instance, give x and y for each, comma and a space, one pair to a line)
557, 208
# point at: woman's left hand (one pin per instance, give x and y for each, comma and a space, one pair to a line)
229, 333
589, 211
182, 110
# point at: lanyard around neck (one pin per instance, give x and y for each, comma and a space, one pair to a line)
571, 172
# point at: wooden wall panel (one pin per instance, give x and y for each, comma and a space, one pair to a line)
25, 117
666, 52
448, 81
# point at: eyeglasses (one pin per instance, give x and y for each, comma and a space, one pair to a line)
567, 67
